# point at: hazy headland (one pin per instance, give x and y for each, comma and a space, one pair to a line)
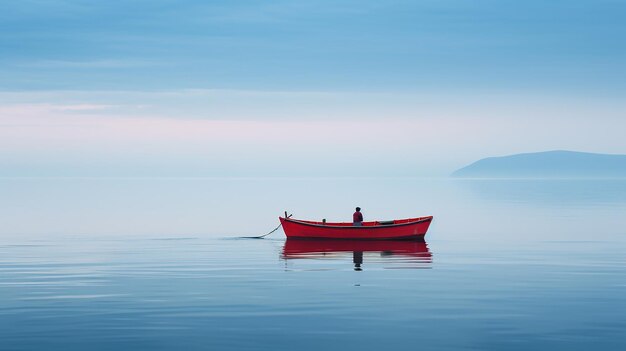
549, 164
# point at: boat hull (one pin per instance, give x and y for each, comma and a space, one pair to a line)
403, 229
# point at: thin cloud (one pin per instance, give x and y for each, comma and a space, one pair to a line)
104, 63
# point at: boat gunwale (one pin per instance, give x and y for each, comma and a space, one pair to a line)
327, 225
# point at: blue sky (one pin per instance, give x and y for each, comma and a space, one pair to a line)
234, 87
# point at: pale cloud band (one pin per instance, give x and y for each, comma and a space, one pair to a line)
229, 132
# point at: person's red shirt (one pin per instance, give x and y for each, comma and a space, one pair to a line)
357, 217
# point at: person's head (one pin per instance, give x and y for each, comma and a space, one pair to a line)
358, 209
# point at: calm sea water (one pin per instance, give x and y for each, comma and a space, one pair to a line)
157, 264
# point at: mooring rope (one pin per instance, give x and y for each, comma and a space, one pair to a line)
264, 235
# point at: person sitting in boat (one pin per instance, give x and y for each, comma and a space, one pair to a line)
357, 218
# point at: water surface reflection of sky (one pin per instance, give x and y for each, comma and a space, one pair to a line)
156, 264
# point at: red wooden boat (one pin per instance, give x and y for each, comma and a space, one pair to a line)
410, 228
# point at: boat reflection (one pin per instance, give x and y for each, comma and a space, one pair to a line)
414, 252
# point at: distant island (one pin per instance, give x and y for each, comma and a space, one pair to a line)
549, 164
